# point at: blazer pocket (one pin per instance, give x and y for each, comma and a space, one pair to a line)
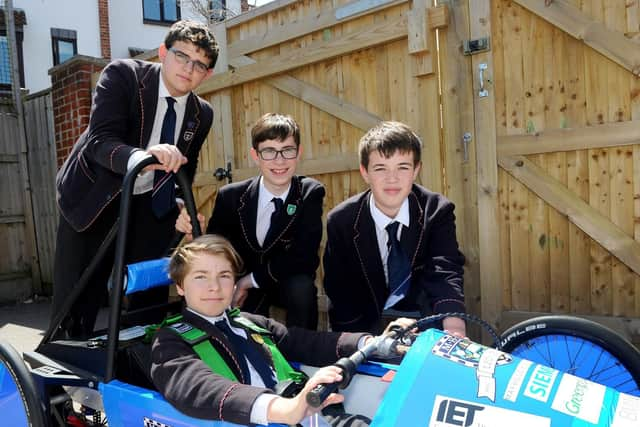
85, 168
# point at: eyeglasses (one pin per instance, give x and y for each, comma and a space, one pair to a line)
184, 59
271, 154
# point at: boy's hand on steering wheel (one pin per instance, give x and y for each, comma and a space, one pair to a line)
295, 409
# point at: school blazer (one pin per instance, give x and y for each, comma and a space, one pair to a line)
292, 250
190, 385
121, 122
354, 278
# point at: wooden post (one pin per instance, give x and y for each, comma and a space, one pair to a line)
487, 168
22, 157
459, 157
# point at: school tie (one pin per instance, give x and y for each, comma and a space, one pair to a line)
163, 196
398, 267
250, 351
279, 204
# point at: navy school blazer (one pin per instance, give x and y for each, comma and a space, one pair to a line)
292, 250
354, 278
121, 121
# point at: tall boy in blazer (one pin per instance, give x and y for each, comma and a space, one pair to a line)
277, 239
357, 263
139, 108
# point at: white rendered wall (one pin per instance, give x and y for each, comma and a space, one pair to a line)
42, 15
126, 30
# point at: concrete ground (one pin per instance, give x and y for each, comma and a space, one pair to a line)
24, 324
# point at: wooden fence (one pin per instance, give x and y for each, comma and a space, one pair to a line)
42, 173
338, 68
539, 156
27, 194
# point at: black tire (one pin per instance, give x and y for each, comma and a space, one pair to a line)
16, 368
595, 336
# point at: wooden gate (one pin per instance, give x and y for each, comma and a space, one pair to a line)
338, 68
564, 98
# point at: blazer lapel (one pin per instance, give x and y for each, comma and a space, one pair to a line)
148, 92
412, 237
248, 210
366, 244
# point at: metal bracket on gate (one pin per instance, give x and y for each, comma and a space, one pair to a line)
471, 47
483, 92
466, 140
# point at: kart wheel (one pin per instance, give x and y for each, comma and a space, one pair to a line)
19, 399
578, 346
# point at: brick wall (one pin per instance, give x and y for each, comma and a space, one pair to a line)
103, 18
71, 84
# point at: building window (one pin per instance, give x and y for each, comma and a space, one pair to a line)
5, 62
217, 10
5, 53
160, 11
64, 45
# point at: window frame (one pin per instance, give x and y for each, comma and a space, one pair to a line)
162, 20
19, 22
62, 35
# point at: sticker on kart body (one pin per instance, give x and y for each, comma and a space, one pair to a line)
449, 412
541, 383
579, 398
627, 411
474, 355
148, 422
517, 379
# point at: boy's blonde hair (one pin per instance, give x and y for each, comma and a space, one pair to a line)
211, 244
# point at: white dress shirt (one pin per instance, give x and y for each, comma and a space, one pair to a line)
381, 221
144, 183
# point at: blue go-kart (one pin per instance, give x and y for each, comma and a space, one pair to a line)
548, 371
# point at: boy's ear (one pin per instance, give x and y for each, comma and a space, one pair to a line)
180, 290
254, 156
364, 174
416, 170
162, 51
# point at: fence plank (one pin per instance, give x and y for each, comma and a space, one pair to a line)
587, 217
610, 43
570, 139
371, 36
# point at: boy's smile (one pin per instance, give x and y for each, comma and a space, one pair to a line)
277, 172
390, 179
208, 286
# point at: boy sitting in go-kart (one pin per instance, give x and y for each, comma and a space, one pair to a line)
216, 363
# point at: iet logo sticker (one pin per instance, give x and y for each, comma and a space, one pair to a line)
450, 412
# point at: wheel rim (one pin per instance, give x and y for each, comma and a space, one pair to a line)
12, 406
581, 358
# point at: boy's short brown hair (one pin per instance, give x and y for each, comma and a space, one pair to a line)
274, 126
196, 33
388, 138
211, 244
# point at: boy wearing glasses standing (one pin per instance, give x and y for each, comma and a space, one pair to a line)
139, 108
392, 248
274, 221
